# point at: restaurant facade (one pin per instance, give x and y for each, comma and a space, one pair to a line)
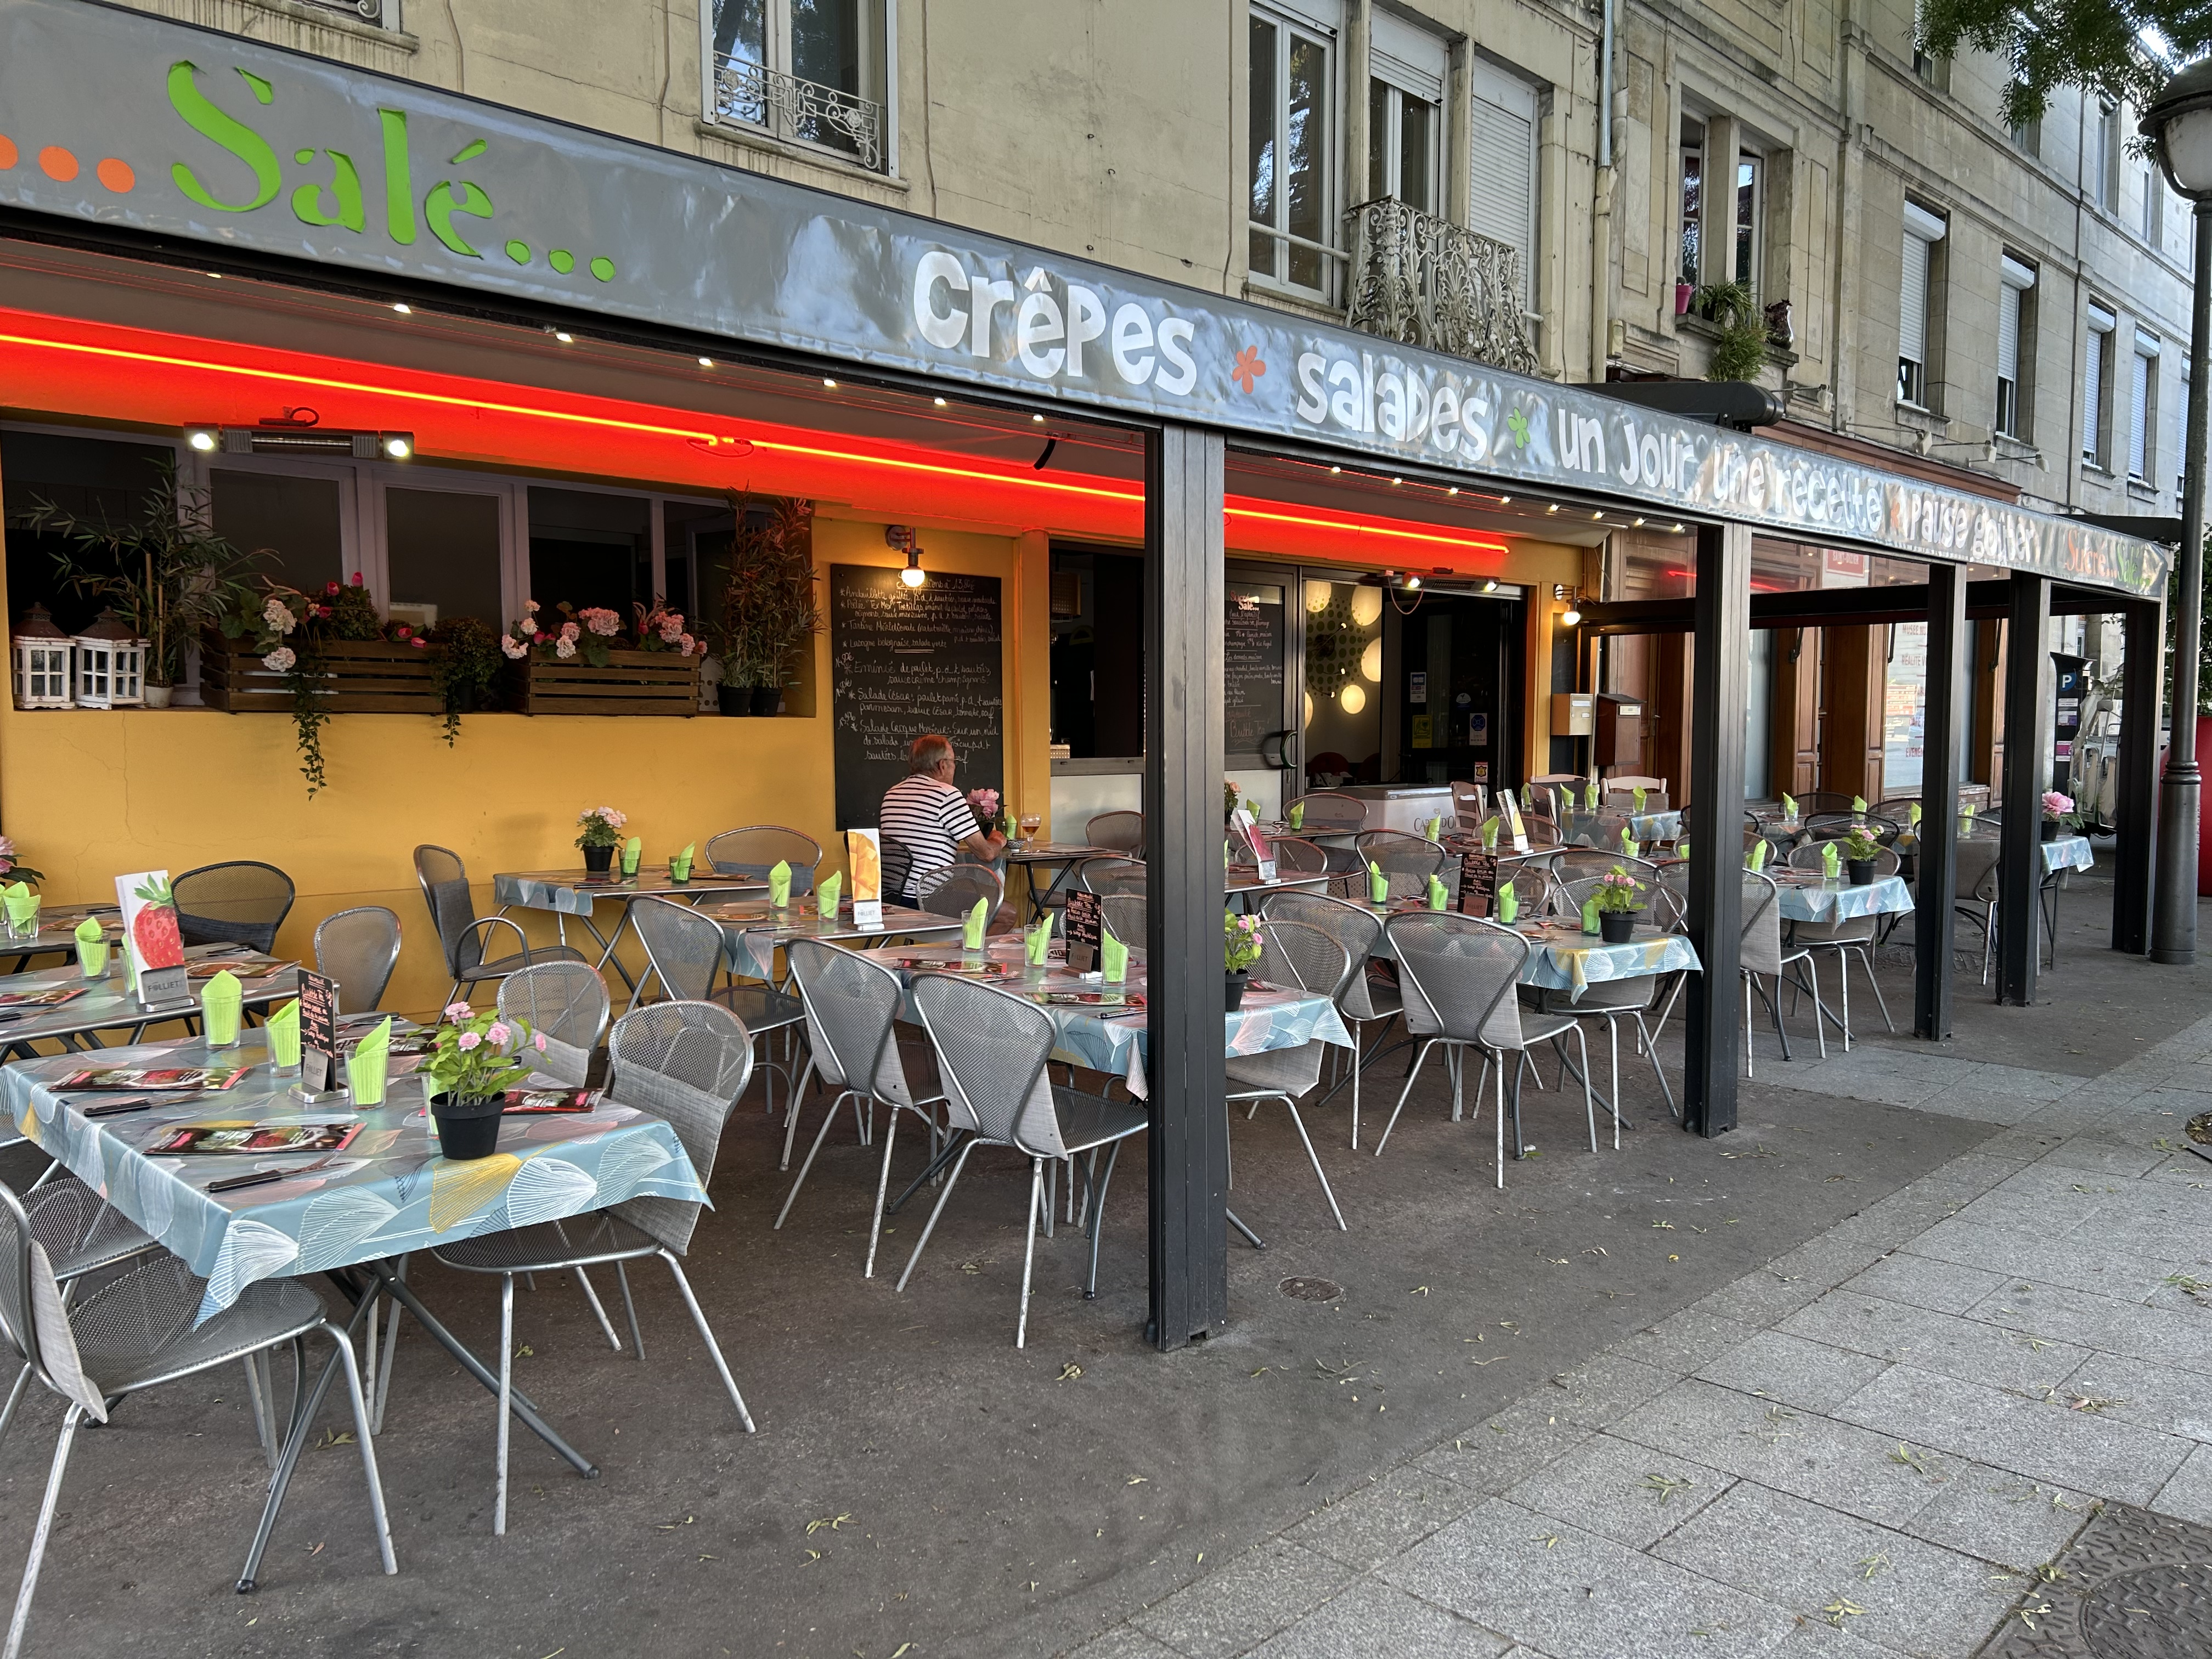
482, 363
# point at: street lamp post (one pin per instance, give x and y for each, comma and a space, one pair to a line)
2178, 123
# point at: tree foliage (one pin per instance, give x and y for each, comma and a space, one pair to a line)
2120, 50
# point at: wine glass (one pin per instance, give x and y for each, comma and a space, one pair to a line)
1031, 824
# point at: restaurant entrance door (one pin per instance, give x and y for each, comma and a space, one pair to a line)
1452, 708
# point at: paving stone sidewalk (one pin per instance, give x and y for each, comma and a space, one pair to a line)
1865, 1448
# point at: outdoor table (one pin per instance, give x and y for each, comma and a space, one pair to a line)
1099, 1039
107, 1005
1242, 882
56, 932
1028, 856
568, 893
1814, 898
1565, 958
752, 932
2068, 852
388, 1194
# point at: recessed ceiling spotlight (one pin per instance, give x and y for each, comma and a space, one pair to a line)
1039, 419
1505, 501
1596, 517
1490, 586
1397, 481
564, 338
1454, 491
1635, 524
1553, 507
1336, 469
826, 381
403, 310
940, 402
706, 362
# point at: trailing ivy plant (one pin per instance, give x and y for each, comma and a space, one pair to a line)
1740, 351
467, 664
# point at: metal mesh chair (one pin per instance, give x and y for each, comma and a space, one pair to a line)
1126, 916
1407, 861
1541, 830
757, 849
685, 949
358, 948
445, 882
567, 1004
1123, 831
1111, 875
1295, 855
1292, 954
1613, 1000
1834, 826
991, 1051
1580, 863
1850, 936
81, 1233
1534, 890
241, 902
1974, 888
135, 1333
953, 889
688, 1062
851, 1012
1362, 997
1763, 953
1329, 813
1457, 975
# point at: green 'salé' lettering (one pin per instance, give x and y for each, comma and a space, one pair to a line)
347, 208
398, 177
442, 205
226, 133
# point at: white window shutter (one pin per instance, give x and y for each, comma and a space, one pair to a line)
1913, 307
2093, 391
2008, 333
1502, 162
2139, 418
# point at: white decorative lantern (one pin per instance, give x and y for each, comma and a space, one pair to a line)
45, 661
111, 665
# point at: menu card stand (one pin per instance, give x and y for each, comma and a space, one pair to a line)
1084, 918
1478, 884
319, 1033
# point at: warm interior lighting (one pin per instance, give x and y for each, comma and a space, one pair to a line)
940, 402
1491, 586
831, 384
1412, 581
706, 362
201, 440
1039, 419
563, 337
1318, 597
912, 575
403, 310
1370, 660
1366, 606
397, 446
1571, 617
1352, 698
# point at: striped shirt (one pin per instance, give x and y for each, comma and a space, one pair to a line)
930, 819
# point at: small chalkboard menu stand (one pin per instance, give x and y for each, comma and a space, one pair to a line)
319, 1033
1084, 920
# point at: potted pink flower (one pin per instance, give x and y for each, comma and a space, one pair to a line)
2058, 814
601, 834
474, 1060
1617, 908
1240, 943
985, 804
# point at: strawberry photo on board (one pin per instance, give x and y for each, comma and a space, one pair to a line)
150, 919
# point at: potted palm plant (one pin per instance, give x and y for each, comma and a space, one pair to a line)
474, 1061
769, 606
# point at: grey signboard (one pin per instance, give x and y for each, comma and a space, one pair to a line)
119, 117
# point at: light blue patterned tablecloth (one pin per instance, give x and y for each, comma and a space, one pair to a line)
1117, 1044
569, 893
1565, 958
389, 1192
752, 933
1656, 826
2068, 852
1831, 901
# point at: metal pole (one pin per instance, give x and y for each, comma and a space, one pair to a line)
1720, 688
2026, 740
1189, 1146
2173, 919
1934, 920
2135, 805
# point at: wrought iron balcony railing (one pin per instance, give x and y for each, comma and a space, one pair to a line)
1417, 279
749, 95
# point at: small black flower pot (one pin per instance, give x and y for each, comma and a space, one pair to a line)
598, 860
1233, 992
1859, 871
765, 698
467, 1125
1616, 926
2052, 829
734, 700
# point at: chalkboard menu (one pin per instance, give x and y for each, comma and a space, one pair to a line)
1478, 884
906, 660
1083, 918
318, 1031
1251, 666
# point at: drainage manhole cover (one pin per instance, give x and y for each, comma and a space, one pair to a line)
1311, 1289
2134, 1585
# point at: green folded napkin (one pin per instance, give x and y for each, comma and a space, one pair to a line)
1298, 815
679, 867
1912, 814
1682, 851
1789, 809
1509, 904
778, 883
1378, 884
1590, 795
633, 850
1439, 894
1113, 959
1831, 860
826, 895
371, 1063
1759, 849
91, 948
1038, 940
22, 906
1639, 796
1589, 917
284, 1033
221, 1000
1489, 834
971, 929
1966, 818
1858, 803
1627, 840
1434, 829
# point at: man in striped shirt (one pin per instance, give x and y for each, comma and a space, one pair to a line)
926, 814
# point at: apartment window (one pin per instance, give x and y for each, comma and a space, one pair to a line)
1749, 183
2180, 424
1916, 305
2154, 205
2142, 409
1292, 240
1405, 113
813, 72
2027, 136
2096, 360
1694, 207
2015, 321
1502, 158
2102, 157
384, 14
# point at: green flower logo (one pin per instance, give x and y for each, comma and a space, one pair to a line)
1519, 422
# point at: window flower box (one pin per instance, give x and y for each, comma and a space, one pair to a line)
365, 677
631, 683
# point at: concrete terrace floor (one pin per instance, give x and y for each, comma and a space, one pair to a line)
965, 1499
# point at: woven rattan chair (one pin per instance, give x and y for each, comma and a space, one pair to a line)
358, 948
1111, 876
1363, 999
241, 902
138, 1332
852, 1014
462, 933
1292, 954
1123, 831
991, 1051
952, 891
567, 1004
685, 949
757, 849
688, 1062
1457, 975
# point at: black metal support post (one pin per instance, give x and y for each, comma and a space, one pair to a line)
2173, 919
1720, 693
2135, 805
1189, 1138
2026, 740
1949, 648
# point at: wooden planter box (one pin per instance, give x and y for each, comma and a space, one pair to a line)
632, 683
366, 677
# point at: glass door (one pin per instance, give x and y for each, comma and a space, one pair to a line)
1259, 725
1340, 712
